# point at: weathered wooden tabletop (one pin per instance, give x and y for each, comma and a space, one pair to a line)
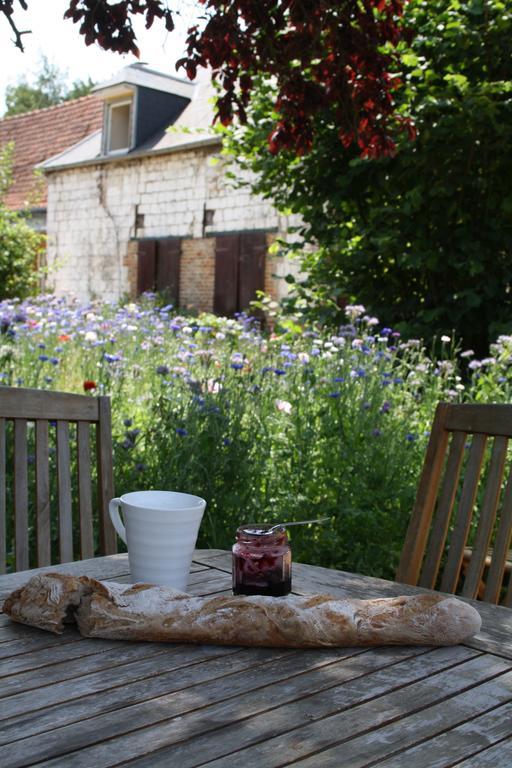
68, 701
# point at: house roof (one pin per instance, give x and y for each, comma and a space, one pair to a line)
41, 134
139, 74
190, 130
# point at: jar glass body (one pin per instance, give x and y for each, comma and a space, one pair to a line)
262, 561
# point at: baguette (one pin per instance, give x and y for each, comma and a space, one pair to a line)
159, 614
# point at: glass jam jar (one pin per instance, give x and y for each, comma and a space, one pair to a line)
262, 561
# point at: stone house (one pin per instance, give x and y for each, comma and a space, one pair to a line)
143, 203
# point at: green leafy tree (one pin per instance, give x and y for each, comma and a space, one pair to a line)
424, 238
48, 89
20, 246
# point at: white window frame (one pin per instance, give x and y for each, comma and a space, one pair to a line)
108, 125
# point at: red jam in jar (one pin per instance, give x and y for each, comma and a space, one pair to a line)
262, 561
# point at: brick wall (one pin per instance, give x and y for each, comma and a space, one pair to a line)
93, 212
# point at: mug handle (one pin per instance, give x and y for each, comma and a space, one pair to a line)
113, 509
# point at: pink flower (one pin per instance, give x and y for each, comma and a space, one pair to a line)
284, 406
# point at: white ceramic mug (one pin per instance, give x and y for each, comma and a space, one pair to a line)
161, 533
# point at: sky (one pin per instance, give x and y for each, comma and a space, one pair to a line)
60, 41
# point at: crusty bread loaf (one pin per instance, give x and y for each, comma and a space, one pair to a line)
144, 612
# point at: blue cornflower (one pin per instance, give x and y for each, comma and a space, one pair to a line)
361, 373
386, 332
162, 370
376, 432
226, 441
410, 437
140, 467
167, 308
340, 379
315, 351
43, 358
279, 372
128, 422
41, 345
111, 358
333, 394
266, 369
366, 406
385, 407
237, 366
48, 379
398, 380
54, 360
181, 432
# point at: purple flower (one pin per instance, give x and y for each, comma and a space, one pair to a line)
54, 360
386, 332
376, 432
162, 370
226, 441
41, 345
43, 358
128, 422
111, 358
237, 366
410, 437
181, 432
385, 407
339, 379
333, 394
279, 372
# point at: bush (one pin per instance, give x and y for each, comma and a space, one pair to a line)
20, 246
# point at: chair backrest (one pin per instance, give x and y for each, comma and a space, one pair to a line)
464, 471
39, 423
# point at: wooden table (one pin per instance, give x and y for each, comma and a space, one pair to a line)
68, 701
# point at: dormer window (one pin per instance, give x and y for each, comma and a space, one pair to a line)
118, 127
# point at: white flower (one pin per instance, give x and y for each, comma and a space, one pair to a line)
220, 336
354, 310
445, 339
284, 406
91, 336
187, 329
467, 353
213, 386
303, 357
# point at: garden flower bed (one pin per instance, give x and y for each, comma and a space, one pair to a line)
294, 424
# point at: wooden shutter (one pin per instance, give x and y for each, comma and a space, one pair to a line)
253, 249
146, 266
168, 259
225, 300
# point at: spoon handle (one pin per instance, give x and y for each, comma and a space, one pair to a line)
299, 522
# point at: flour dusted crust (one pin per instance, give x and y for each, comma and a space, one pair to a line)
144, 612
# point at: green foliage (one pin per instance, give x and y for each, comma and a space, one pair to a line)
48, 89
424, 239
20, 246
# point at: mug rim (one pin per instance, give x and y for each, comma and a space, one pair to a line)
190, 500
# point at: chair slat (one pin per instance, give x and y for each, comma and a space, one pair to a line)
417, 533
39, 404
487, 518
84, 491
64, 493
3, 491
43, 525
21, 494
108, 538
443, 514
500, 551
464, 514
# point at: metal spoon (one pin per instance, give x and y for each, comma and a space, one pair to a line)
297, 522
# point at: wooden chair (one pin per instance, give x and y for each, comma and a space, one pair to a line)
50, 414
436, 552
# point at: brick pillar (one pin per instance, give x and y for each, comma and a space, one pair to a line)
197, 274
130, 264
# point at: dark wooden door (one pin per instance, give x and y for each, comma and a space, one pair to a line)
239, 271
158, 267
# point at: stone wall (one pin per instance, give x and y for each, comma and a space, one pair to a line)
96, 213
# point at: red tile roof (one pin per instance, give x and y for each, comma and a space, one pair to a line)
41, 134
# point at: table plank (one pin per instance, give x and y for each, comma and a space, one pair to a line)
188, 739
482, 731
390, 738
500, 754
